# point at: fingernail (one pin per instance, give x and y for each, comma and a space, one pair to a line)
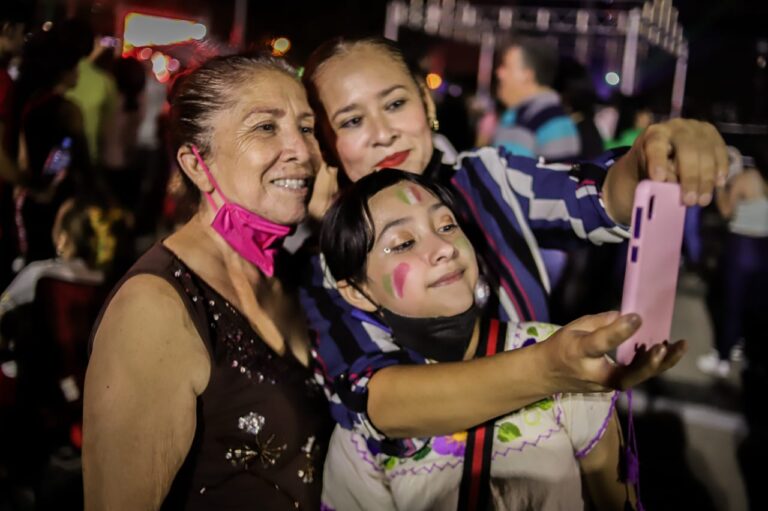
690, 199
632, 320
705, 199
721, 180
662, 353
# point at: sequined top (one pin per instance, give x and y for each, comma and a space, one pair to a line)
262, 422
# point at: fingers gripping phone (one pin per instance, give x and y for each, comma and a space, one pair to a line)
653, 261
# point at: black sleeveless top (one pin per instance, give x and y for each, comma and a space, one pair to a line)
262, 422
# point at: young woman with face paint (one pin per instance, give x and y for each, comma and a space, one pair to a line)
372, 113
395, 247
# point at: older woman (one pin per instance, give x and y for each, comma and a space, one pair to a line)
375, 113
198, 394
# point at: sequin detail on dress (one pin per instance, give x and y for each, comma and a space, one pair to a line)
265, 452
307, 473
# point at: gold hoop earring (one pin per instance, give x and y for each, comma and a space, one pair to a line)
434, 124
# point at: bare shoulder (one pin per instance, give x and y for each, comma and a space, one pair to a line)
147, 330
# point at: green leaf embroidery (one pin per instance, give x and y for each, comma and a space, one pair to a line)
532, 331
390, 463
544, 404
508, 432
422, 453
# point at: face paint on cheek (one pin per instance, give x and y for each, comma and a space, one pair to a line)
410, 195
386, 283
399, 276
462, 243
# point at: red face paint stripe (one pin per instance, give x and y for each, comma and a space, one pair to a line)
398, 278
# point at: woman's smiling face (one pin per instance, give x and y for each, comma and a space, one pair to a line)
376, 113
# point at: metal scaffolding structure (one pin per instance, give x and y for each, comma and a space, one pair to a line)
655, 25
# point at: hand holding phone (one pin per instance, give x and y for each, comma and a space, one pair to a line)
653, 261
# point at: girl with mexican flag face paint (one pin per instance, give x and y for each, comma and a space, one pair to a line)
406, 259
421, 264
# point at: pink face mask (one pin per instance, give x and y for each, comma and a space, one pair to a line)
255, 238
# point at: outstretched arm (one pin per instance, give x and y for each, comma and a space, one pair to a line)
439, 399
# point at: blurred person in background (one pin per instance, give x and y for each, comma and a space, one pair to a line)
633, 117
44, 347
12, 24
122, 140
574, 84
744, 261
534, 123
86, 240
53, 151
95, 92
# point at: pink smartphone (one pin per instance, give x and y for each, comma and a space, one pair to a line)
653, 261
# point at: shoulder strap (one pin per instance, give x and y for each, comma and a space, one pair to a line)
474, 492
161, 262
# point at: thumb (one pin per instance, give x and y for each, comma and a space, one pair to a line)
608, 337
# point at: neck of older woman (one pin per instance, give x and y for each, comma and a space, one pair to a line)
263, 300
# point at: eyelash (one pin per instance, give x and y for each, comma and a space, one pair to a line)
396, 104
264, 126
355, 121
273, 127
402, 247
351, 123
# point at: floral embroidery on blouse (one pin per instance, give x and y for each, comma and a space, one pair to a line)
453, 445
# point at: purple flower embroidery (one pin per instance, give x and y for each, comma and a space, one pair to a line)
453, 445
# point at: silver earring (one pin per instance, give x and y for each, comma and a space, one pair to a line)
482, 292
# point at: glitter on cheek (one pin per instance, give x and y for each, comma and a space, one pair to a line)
399, 276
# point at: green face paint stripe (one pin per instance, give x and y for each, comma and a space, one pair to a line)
462, 242
387, 284
403, 196
408, 196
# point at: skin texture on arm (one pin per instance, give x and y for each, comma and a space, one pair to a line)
689, 152
439, 399
601, 472
147, 368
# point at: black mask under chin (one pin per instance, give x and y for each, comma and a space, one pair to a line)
444, 339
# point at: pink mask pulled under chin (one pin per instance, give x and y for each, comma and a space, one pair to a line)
255, 238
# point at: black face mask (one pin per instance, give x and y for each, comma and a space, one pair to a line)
444, 339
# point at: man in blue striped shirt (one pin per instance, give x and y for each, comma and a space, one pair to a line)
535, 123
